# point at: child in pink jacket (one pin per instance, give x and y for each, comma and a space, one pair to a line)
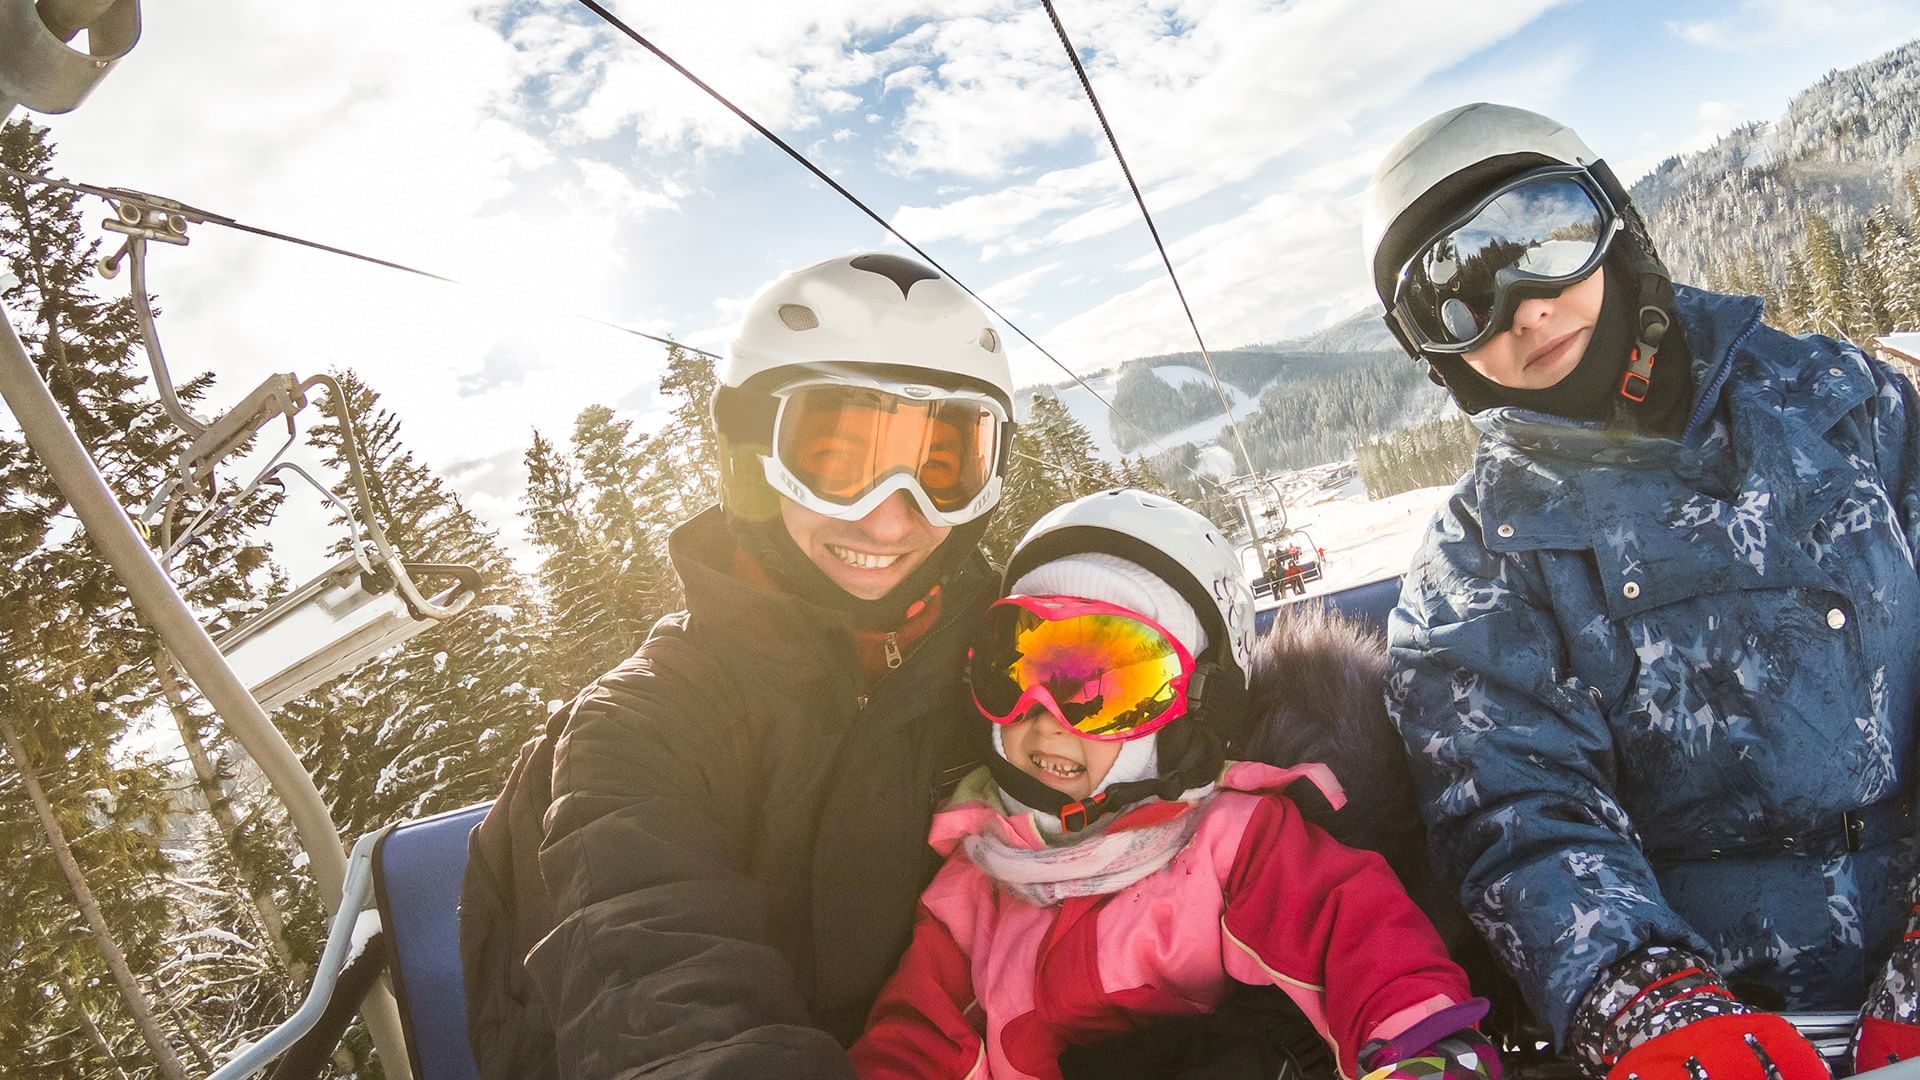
1105, 870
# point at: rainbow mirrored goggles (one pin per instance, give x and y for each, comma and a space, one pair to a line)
1103, 671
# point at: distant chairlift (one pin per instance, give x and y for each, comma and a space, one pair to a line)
1292, 566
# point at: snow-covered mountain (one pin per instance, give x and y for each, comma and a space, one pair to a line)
1842, 147
1093, 415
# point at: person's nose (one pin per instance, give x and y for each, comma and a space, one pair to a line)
893, 521
1532, 313
1045, 723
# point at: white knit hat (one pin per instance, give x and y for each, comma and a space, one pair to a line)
1098, 576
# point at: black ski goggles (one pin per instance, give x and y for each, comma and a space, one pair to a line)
1529, 238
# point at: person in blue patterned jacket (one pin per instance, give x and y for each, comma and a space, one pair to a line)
1657, 662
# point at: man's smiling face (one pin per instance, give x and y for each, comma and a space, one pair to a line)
871, 556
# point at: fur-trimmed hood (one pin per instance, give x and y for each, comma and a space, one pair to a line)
1318, 694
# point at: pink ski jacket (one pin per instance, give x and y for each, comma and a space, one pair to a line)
993, 986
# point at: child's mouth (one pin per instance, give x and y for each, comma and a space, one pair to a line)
1056, 766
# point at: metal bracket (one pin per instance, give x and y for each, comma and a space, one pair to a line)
278, 396
40, 70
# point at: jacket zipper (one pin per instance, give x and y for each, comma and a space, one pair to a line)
893, 651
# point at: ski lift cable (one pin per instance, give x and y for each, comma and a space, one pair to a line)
1086, 84
641, 40
206, 217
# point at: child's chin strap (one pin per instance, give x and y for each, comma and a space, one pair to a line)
1198, 765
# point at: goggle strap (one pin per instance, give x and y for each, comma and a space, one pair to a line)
1197, 687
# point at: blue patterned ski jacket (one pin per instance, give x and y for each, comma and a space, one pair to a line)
1630, 672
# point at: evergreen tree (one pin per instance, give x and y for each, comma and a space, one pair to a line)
600, 518
1795, 297
1054, 460
1830, 307
73, 649
1426, 455
434, 723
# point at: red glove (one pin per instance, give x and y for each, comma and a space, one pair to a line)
1740, 1046
1889, 1028
1878, 1042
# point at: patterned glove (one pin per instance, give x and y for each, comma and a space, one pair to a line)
1663, 1014
1444, 1046
1889, 1028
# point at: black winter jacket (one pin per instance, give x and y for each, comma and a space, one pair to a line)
711, 860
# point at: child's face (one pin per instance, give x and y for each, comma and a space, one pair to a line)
1038, 746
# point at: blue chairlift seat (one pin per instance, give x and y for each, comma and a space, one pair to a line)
417, 870
1369, 603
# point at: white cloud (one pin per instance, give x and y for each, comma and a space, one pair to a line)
1281, 268
1009, 291
1759, 24
980, 218
1201, 95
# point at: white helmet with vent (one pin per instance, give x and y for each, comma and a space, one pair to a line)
1450, 144
1177, 544
870, 308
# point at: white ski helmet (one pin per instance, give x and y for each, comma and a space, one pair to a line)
1177, 544
1444, 147
869, 308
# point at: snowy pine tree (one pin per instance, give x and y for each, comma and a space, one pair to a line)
75, 668
1054, 460
432, 724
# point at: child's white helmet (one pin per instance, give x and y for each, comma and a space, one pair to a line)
1178, 544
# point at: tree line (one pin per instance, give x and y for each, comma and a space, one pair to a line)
1825, 285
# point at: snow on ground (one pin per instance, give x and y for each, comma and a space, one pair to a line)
1364, 540
1906, 341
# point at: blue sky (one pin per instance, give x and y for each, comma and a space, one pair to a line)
523, 147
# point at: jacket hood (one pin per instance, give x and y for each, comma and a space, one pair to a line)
976, 806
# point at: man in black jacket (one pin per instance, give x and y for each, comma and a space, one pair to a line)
709, 864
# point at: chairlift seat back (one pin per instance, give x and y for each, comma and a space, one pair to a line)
417, 871
1368, 604
418, 868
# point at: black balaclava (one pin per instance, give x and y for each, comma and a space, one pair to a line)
1592, 390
